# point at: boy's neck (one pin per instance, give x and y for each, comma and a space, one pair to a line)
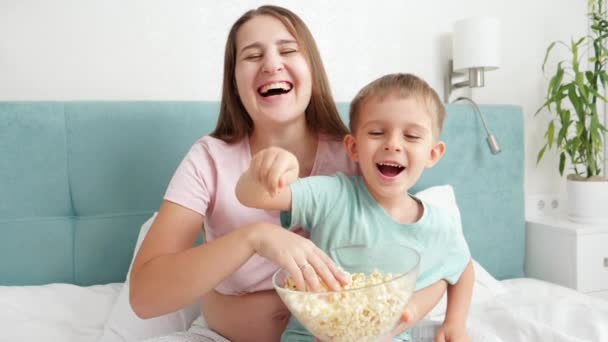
403, 209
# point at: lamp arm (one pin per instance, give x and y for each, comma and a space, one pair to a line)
492, 142
483, 119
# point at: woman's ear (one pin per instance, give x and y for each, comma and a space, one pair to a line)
350, 145
437, 151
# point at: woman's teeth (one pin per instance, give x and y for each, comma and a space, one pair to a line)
275, 88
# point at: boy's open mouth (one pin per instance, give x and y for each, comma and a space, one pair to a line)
390, 169
275, 88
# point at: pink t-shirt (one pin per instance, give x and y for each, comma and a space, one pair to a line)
205, 181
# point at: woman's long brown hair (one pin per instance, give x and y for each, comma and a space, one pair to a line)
234, 123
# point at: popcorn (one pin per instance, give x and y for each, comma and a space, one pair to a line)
365, 309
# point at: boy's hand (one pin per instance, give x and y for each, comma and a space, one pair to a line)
275, 168
409, 318
451, 332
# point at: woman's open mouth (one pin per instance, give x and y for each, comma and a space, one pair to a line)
275, 88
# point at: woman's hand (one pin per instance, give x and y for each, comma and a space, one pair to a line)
298, 256
275, 168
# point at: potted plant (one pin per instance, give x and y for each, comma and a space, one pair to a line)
575, 93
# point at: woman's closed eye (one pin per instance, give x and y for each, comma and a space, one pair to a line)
253, 57
288, 51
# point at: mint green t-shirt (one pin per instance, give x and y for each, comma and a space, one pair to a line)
339, 210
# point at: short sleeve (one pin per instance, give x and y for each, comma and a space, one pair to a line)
193, 183
313, 198
457, 254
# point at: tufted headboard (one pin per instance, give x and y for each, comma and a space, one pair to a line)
77, 180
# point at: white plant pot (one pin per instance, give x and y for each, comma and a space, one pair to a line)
587, 201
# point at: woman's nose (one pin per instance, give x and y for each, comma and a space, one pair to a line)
272, 63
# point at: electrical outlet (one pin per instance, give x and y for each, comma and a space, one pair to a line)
543, 205
555, 204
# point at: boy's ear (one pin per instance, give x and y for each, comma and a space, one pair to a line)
436, 153
350, 145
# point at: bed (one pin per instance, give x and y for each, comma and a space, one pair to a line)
80, 180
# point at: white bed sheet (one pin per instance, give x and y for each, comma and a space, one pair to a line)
55, 312
533, 310
522, 310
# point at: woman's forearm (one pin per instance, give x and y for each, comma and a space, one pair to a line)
168, 274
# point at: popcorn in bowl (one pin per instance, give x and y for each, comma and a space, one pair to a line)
365, 309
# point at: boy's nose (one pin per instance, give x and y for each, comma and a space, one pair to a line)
392, 145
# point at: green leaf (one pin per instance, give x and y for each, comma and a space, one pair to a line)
574, 99
574, 57
562, 133
560, 95
540, 154
562, 163
603, 77
580, 82
555, 83
580, 41
596, 94
589, 75
547, 55
550, 133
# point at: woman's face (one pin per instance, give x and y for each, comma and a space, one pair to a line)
273, 79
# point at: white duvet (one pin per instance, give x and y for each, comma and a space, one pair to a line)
520, 310
55, 312
531, 310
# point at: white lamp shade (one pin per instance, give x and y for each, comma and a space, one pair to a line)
476, 43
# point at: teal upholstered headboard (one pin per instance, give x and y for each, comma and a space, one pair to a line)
77, 180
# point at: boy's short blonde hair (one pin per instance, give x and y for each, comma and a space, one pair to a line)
401, 86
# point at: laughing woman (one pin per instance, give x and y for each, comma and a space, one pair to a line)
275, 93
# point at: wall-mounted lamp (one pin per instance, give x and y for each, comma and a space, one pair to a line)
491, 139
476, 49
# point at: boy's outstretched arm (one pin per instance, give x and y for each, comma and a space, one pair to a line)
421, 303
265, 184
454, 327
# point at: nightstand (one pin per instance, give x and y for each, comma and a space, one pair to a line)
568, 253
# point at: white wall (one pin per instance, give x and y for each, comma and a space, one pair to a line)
173, 50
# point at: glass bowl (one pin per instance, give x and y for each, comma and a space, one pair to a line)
366, 313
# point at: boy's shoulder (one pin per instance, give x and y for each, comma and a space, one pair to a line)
442, 199
337, 179
441, 216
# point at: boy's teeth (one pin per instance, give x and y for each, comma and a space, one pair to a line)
390, 164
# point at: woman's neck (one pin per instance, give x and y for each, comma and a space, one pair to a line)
300, 141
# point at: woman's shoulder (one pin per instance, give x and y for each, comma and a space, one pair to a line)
217, 147
332, 158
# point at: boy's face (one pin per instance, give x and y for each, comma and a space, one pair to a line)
393, 144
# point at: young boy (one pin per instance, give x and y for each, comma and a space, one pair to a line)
395, 124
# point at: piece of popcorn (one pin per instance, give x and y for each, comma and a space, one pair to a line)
361, 315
